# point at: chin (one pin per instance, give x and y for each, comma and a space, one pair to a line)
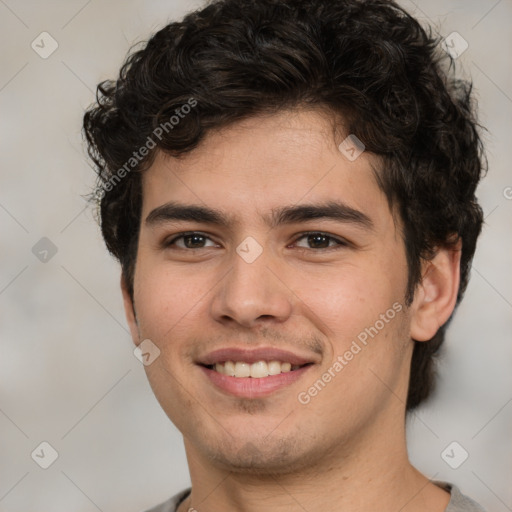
261, 457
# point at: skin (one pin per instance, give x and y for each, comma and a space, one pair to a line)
345, 449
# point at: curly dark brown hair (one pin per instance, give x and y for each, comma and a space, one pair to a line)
368, 61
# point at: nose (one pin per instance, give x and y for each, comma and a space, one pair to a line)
253, 292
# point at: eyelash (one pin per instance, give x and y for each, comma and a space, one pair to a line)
340, 243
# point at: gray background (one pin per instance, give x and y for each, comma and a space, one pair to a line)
67, 370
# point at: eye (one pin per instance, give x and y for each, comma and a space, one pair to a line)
321, 240
197, 240
191, 240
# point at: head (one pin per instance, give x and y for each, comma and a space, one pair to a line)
241, 107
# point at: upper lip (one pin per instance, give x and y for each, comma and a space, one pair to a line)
253, 355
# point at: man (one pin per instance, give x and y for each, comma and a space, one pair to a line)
289, 186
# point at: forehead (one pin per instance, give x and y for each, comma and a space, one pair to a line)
263, 163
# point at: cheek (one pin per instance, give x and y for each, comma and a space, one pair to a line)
368, 363
163, 299
346, 300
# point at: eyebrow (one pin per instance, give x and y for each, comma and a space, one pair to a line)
333, 210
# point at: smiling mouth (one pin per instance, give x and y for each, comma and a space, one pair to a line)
258, 370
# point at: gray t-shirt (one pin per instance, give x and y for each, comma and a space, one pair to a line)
458, 502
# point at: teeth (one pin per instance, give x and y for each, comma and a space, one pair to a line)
274, 368
229, 368
242, 370
256, 370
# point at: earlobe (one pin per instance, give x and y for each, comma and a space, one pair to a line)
436, 295
129, 311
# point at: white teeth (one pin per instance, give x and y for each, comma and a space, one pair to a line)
259, 369
229, 368
274, 368
255, 370
286, 367
242, 369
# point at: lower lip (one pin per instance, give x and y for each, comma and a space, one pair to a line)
249, 387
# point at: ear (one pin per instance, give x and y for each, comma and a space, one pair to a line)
130, 312
436, 295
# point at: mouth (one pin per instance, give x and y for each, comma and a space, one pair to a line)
256, 380
258, 370
254, 373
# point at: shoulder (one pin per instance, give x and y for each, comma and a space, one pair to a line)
171, 504
459, 502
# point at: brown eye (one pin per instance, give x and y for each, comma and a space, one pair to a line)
192, 240
318, 240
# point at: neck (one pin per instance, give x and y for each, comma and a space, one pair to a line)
374, 473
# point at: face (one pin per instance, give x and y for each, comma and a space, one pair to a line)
326, 286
